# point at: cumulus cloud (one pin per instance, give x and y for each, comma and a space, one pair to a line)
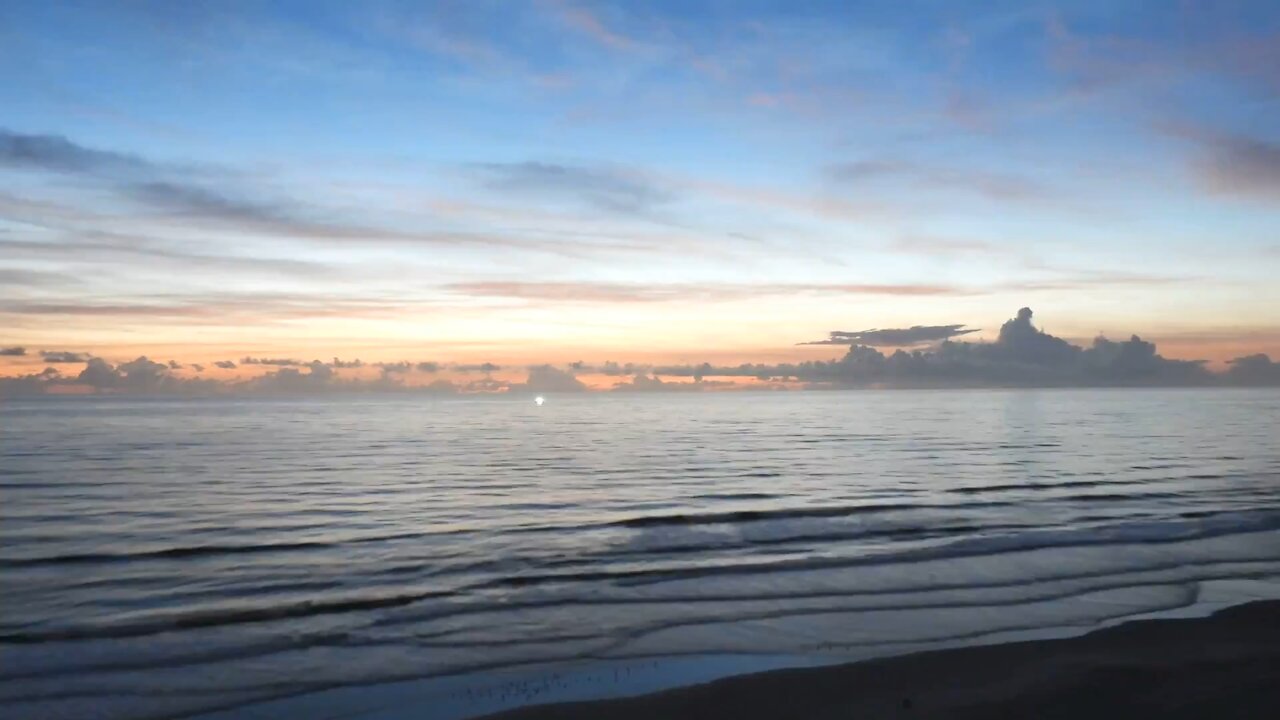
30, 384
197, 367
546, 378
293, 380
174, 365
611, 368
476, 367
895, 337
1021, 356
652, 383
1254, 370
357, 363
63, 356
425, 366
143, 374
15, 351
225, 364
99, 374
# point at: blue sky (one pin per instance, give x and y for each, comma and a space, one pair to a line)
552, 180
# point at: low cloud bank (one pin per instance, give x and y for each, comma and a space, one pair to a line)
1021, 356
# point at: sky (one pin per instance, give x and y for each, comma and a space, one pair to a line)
452, 184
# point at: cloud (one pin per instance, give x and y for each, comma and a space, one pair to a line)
1236, 165
55, 153
427, 366
993, 185
63, 356
485, 385
1254, 370
198, 201
350, 364
318, 377
587, 23
612, 190
648, 383
14, 277
197, 367
474, 367
225, 364
636, 292
31, 384
174, 365
15, 351
609, 367
202, 194
895, 337
545, 378
1022, 356
141, 376
281, 362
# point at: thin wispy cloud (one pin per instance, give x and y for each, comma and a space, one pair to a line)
63, 356
588, 23
895, 337
611, 190
992, 185
54, 153
1235, 165
646, 293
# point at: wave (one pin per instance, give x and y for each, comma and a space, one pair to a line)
741, 516
1119, 534
216, 618
734, 496
175, 553
979, 489
186, 552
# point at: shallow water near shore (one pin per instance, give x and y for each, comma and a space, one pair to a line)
170, 558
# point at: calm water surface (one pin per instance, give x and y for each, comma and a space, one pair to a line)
166, 558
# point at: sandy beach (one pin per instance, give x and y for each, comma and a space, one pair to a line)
1223, 666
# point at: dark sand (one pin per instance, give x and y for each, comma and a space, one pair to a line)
1224, 666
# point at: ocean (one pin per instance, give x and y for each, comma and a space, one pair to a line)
439, 558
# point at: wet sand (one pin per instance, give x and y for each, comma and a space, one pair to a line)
1223, 666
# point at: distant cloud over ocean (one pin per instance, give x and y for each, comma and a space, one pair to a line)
1021, 356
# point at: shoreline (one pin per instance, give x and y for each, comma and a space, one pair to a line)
1223, 665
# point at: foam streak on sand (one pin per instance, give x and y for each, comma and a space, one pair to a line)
1227, 665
